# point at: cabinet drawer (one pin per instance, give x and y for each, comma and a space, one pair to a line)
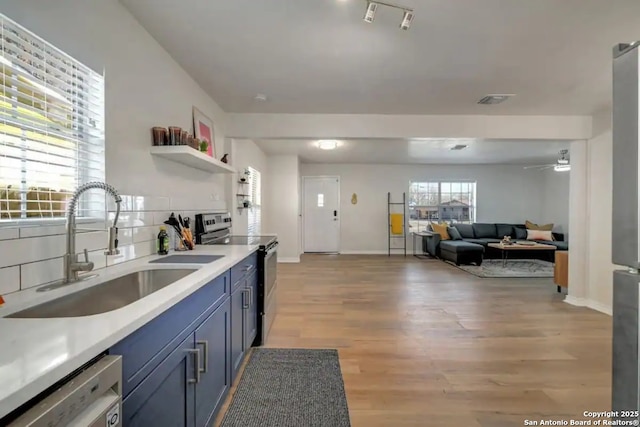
244, 267
144, 349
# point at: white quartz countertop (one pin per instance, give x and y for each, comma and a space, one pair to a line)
37, 353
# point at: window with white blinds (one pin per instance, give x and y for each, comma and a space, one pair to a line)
255, 196
51, 128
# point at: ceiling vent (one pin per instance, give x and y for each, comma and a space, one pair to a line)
459, 147
494, 99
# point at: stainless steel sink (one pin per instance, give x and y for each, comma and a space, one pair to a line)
106, 296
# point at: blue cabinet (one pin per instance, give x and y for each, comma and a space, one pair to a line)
244, 318
213, 339
237, 329
178, 368
251, 325
166, 396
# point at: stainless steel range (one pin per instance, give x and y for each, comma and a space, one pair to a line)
215, 229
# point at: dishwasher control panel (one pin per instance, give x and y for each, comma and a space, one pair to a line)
90, 399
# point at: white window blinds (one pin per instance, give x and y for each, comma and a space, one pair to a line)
255, 190
51, 127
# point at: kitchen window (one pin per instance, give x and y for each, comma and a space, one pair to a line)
51, 129
451, 202
255, 197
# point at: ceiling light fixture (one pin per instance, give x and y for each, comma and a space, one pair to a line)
328, 144
372, 8
406, 20
370, 14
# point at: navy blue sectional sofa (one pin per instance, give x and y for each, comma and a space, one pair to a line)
471, 245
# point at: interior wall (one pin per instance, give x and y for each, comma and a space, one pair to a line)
283, 205
590, 266
505, 193
555, 200
145, 87
599, 266
245, 153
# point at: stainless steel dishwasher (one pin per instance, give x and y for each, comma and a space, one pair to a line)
92, 398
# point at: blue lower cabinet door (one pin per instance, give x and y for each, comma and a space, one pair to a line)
239, 301
167, 396
252, 312
213, 338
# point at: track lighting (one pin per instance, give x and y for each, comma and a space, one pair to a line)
370, 15
406, 20
372, 7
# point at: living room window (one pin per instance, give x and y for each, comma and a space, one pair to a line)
444, 201
51, 129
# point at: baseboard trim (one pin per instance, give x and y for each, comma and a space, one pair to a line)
593, 305
289, 260
598, 306
356, 252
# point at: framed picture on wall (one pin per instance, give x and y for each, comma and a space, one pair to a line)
203, 129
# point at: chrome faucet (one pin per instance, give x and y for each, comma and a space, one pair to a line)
71, 264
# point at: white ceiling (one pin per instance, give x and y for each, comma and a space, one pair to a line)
312, 56
421, 151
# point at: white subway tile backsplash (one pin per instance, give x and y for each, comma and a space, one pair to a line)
33, 255
131, 252
92, 241
126, 205
21, 251
47, 230
9, 280
160, 217
133, 219
144, 234
9, 233
152, 203
125, 236
38, 273
98, 258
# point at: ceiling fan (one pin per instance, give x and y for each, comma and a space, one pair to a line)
561, 165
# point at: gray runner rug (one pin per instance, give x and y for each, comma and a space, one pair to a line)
285, 387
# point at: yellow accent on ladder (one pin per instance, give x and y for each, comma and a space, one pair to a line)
397, 223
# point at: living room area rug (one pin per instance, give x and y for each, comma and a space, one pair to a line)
286, 387
520, 268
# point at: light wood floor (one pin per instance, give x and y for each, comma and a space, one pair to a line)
422, 343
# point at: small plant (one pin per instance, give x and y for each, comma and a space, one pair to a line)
204, 145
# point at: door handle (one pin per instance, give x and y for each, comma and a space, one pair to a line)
205, 347
250, 297
196, 352
335, 213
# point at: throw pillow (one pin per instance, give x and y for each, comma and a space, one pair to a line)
441, 229
520, 233
533, 226
544, 235
454, 233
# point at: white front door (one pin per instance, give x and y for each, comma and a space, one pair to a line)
321, 214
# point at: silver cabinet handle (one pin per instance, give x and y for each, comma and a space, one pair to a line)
205, 347
196, 362
244, 299
248, 267
250, 297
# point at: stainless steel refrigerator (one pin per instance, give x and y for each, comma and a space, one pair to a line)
626, 229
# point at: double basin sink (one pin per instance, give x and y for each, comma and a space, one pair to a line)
107, 296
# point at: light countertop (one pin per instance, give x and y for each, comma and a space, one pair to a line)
36, 353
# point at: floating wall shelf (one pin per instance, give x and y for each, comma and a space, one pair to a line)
191, 157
